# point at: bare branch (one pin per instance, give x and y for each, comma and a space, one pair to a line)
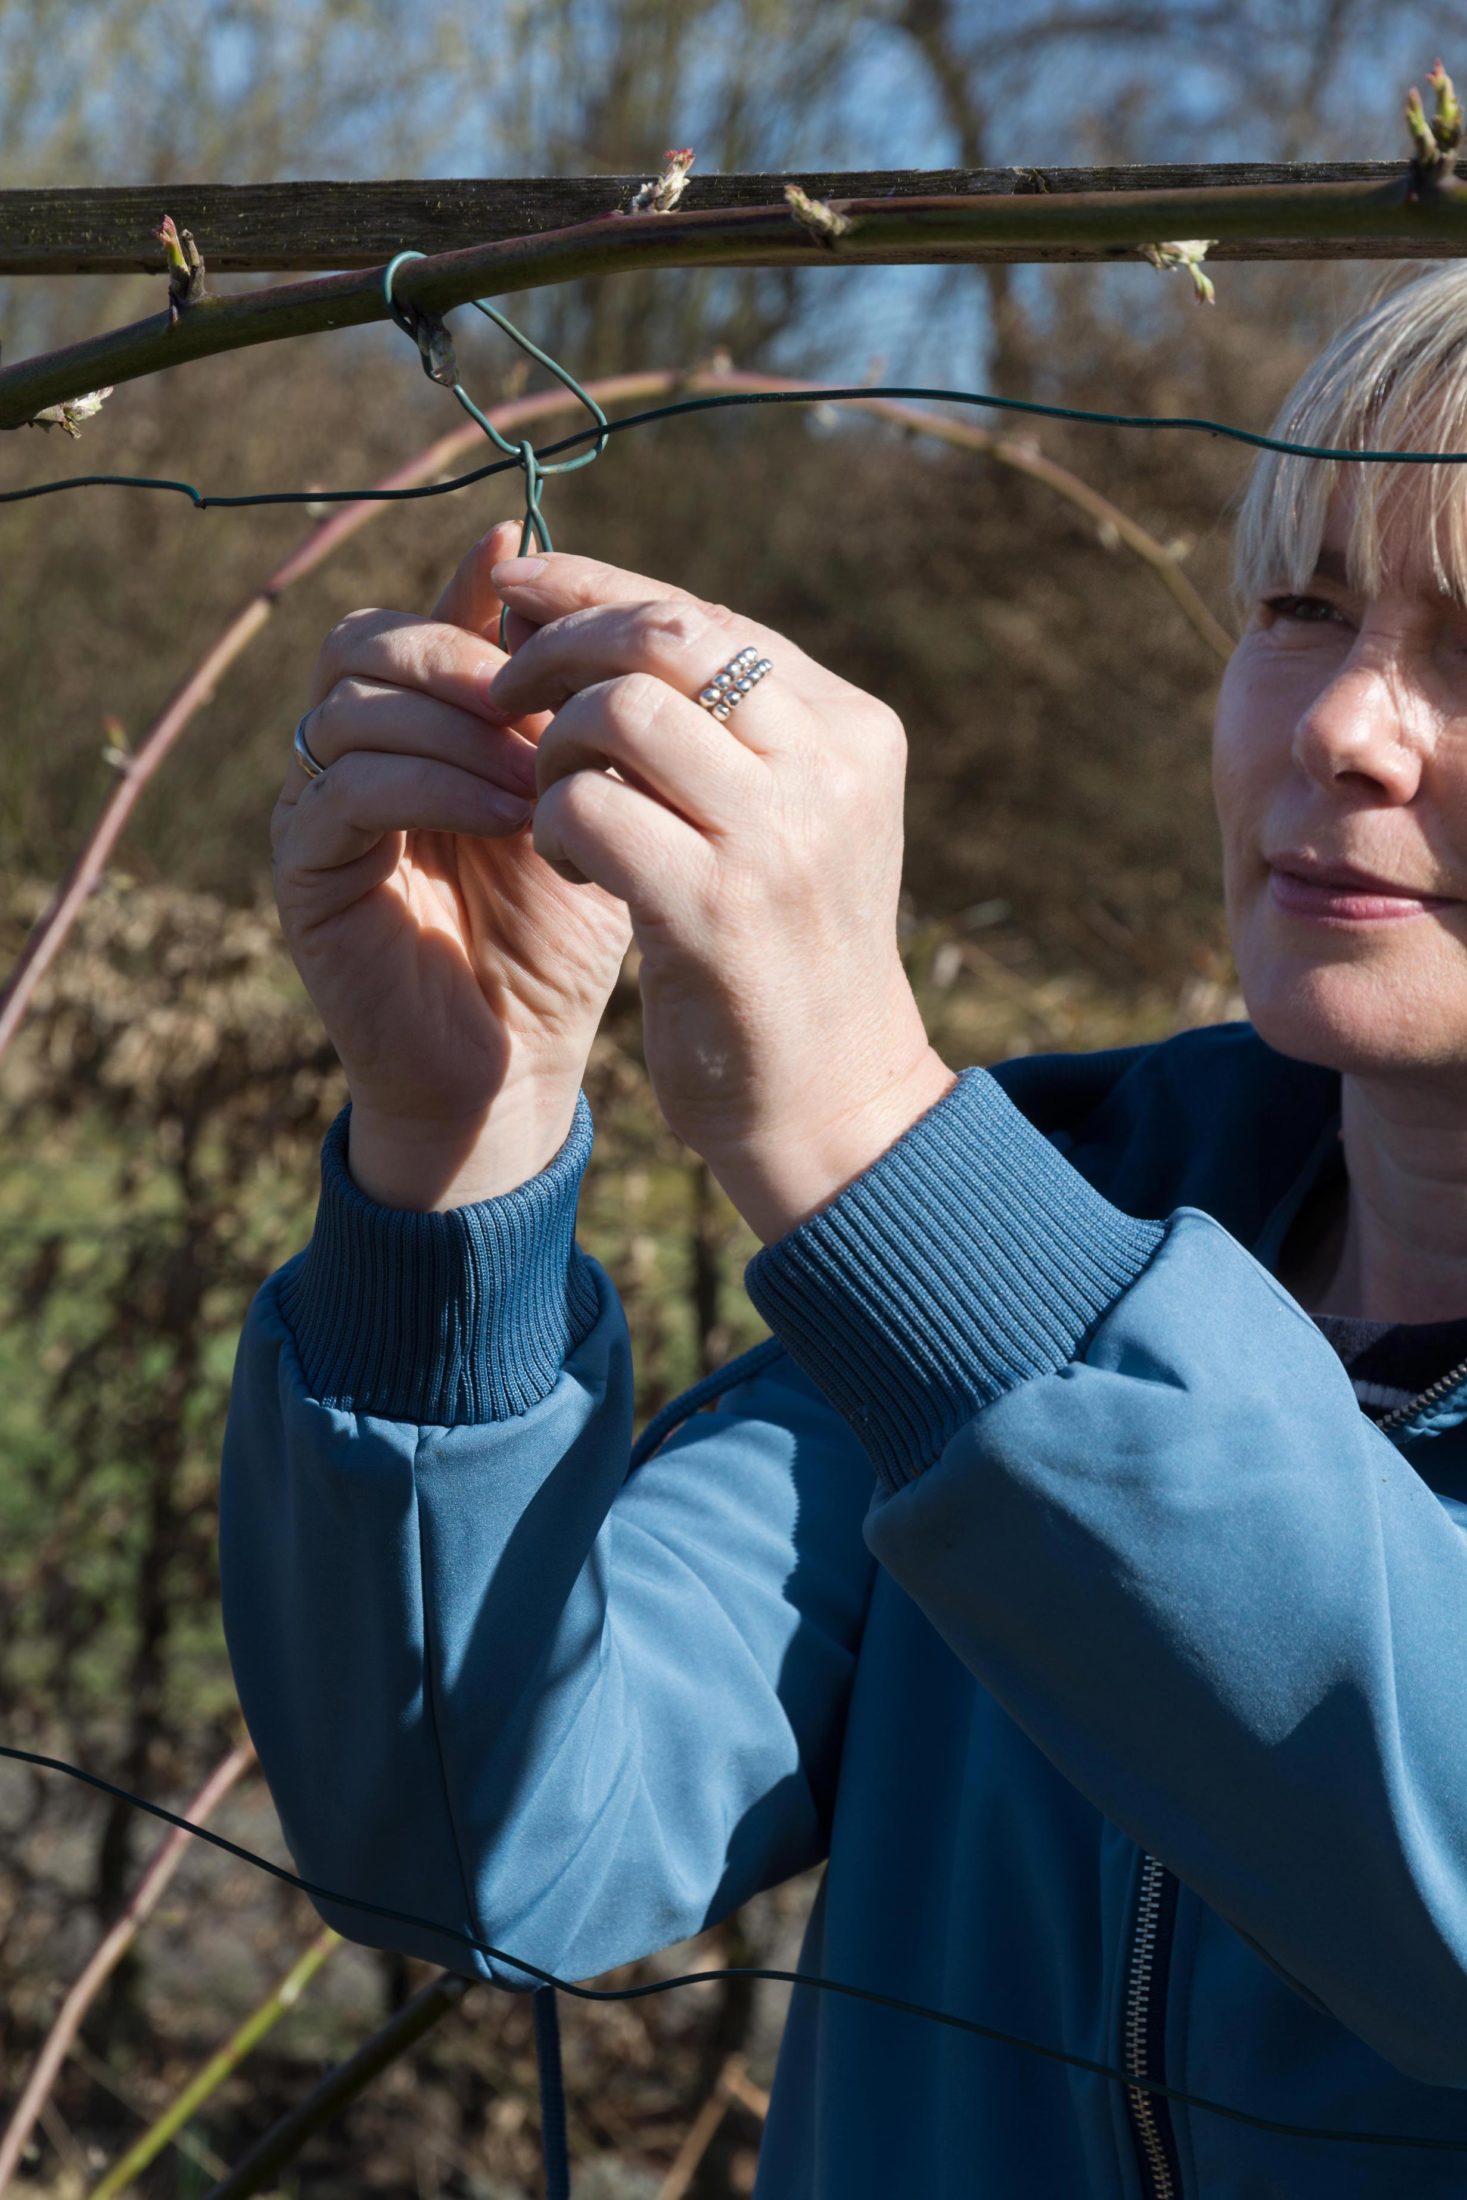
257, 2170
1392, 215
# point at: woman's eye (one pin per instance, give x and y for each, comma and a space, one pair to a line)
1304, 609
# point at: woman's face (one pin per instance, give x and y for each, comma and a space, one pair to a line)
1340, 758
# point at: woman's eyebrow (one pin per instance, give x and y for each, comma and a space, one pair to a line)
1329, 565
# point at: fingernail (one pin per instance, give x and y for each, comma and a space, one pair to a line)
509, 808
508, 572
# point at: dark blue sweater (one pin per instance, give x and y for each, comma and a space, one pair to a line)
1042, 1574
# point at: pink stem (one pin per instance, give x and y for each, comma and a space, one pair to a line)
106, 1958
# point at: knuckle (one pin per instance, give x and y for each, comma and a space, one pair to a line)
323, 723
567, 628
342, 639
576, 796
334, 713
353, 624
328, 709
413, 650
890, 729
351, 772
635, 698
839, 776
679, 623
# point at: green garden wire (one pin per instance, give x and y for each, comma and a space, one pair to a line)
523, 454
427, 331
699, 1978
534, 462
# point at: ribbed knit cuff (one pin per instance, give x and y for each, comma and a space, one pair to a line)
444, 1318
969, 1257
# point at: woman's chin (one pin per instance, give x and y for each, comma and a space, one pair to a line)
1360, 1018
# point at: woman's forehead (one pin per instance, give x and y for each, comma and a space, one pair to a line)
1399, 524
1408, 538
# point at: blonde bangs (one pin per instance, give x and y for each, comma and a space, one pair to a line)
1395, 378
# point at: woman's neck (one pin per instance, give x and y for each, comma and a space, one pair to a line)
1394, 1246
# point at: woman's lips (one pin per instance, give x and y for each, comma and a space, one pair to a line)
1303, 897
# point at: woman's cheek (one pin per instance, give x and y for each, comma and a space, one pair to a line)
1234, 793
1452, 779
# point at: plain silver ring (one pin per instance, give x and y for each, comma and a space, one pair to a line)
309, 764
732, 682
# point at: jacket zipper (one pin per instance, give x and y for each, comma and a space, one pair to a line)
1150, 2118
1427, 1397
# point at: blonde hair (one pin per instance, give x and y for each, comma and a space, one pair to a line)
1395, 371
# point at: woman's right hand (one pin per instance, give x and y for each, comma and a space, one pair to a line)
460, 979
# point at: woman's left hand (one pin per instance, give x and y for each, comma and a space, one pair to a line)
760, 859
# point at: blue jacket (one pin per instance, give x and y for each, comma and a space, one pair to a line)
1041, 1573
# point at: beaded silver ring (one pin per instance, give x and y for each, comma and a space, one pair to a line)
728, 687
309, 764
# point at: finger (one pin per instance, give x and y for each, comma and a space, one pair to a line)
596, 830
659, 743
470, 599
672, 640
399, 649
343, 814
373, 715
557, 584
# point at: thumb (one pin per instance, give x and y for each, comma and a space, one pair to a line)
470, 600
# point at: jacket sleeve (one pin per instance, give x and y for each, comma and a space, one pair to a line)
1128, 1480
495, 1677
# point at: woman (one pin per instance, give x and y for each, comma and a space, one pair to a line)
1078, 1568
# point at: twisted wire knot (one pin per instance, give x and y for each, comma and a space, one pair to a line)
429, 332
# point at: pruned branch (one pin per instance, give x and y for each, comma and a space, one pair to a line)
889, 232
319, 225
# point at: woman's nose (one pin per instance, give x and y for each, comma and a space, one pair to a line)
1370, 724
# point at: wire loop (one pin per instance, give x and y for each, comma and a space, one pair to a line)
430, 334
